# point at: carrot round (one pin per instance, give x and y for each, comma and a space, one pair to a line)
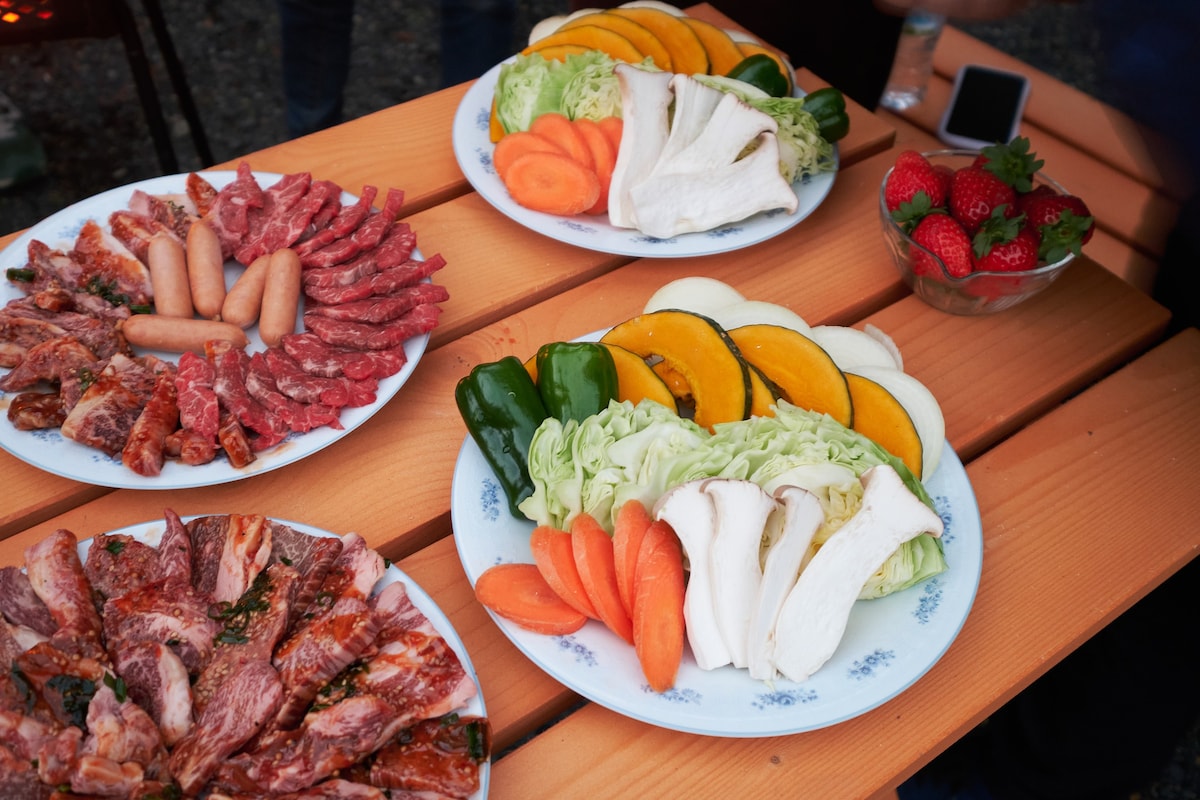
552, 183
517, 144
613, 127
628, 532
559, 129
593, 551
659, 629
519, 594
604, 159
555, 559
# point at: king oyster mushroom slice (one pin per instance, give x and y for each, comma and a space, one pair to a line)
741, 509
690, 512
817, 609
645, 105
798, 518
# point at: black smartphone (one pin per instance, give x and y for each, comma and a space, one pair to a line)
985, 107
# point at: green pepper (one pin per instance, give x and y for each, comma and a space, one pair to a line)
575, 379
761, 71
501, 406
828, 107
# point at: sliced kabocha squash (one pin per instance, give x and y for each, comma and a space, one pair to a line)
723, 52
751, 48
688, 55
804, 373
559, 52
636, 381
676, 384
698, 349
762, 394
879, 416
642, 37
592, 38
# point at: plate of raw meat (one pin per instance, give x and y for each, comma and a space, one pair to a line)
82, 403
305, 662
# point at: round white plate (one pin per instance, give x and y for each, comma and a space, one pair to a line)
151, 533
473, 149
49, 450
889, 643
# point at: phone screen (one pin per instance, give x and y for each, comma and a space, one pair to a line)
986, 105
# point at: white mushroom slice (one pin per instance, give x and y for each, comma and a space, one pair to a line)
922, 408
741, 510
667, 205
850, 347
690, 513
709, 140
799, 518
645, 102
694, 107
814, 615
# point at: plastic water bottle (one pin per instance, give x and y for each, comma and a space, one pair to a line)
914, 60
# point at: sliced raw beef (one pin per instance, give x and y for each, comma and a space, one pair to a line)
310, 556
396, 247
229, 213
157, 680
199, 409
105, 413
293, 381
319, 358
57, 577
19, 603
230, 385
376, 310
299, 417
165, 611
364, 238
329, 209
145, 449
343, 223
419, 320
117, 563
281, 218
380, 284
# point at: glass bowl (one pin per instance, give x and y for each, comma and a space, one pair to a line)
978, 292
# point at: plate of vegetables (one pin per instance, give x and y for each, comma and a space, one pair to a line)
690, 208
904, 618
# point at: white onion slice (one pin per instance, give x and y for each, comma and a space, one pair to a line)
850, 347
887, 341
759, 312
695, 293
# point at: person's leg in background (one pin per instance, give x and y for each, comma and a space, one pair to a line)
476, 36
316, 37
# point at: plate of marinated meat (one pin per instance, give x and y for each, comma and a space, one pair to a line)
82, 403
299, 659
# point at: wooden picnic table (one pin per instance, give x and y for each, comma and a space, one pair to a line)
1044, 404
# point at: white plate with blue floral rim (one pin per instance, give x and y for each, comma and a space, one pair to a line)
889, 642
49, 450
473, 150
151, 533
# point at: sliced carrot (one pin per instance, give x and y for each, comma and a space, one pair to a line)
519, 593
628, 532
555, 559
613, 127
517, 144
604, 159
552, 183
593, 551
658, 623
559, 129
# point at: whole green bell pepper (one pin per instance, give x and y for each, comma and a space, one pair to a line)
575, 379
828, 107
502, 409
761, 71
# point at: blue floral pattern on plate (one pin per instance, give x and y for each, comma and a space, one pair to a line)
473, 150
51, 451
889, 643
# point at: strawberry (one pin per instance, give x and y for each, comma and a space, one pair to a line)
1005, 245
1025, 198
911, 174
975, 193
1012, 163
1063, 222
945, 174
943, 236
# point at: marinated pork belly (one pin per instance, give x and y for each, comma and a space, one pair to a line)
135, 230
61, 681
435, 757
166, 611
175, 550
251, 696
57, 577
47, 268
103, 777
235, 442
176, 212
118, 563
189, 447
338, 789
23, 325
200, 193
18, 778
60, 298
108, 408
48, 361
109, 266
157, 680
353, 574
19, 603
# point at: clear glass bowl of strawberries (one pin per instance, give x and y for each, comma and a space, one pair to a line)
978, 232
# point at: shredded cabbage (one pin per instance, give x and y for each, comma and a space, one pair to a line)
629, 452
581, 86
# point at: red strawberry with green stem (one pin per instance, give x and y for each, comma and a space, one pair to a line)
975, 193
1005, 245
1063, 222
1012, 163
943, 236
912, 174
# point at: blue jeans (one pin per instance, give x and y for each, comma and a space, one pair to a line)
476, 35
316, 61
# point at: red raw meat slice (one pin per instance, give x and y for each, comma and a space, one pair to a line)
135, 231
175, 549
393, 250
381, 283
386, 308
293, 381
144, 449
365, 237
300, 417
229, 214
437, 756
57, 577
105, 414
167, 611
230, 385
199, 409
20, 604
319, 358
343, 224
420, 319
330, 208
48, 361
202, 193
283, 217
117, 563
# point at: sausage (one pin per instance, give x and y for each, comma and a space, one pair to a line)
169, 277
281, 296
206, 270
157, 332
243, 302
